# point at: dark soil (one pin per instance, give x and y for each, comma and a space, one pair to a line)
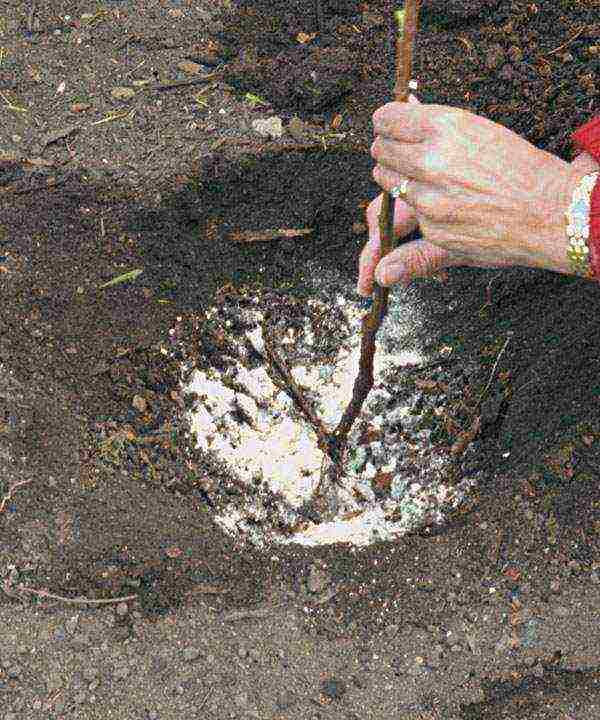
92, 187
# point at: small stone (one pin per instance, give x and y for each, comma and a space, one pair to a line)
399, 487
79, 697
90, 673
210, 52
122, 609
268, 127
378, 451
122, 93
189, 67
139, 403
241, 699
378, 400
191, 654
121, 673
317, 580
71, 624
370, 471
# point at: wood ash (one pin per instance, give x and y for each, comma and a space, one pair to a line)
394, 478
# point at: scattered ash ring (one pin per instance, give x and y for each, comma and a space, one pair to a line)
398, 472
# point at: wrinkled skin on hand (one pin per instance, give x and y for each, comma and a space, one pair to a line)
481, 195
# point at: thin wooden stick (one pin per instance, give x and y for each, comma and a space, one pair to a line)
405, 38
334, 444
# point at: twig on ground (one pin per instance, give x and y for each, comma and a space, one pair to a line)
157, 87
568, 42
276, 147
489, 382
319, 14
467, 436
11, 489
20, 589
56, 182
214, 76
259, 235
264, 611
283, 379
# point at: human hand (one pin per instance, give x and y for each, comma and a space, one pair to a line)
482, 196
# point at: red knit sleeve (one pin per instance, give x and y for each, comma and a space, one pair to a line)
587, 138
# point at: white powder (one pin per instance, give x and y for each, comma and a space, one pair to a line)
278, 448
256, 431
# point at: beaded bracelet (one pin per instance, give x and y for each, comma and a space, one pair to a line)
587, 138
578, 226
594, 239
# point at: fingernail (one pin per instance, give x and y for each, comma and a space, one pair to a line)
382, 275
388, 274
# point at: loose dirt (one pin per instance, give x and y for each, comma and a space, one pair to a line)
110, 163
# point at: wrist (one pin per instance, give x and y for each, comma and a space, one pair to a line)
575, 253
546, 227
585, 163
552, 243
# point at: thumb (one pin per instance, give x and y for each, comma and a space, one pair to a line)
418, 258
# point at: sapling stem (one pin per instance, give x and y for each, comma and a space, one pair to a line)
334, 444
407, 21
